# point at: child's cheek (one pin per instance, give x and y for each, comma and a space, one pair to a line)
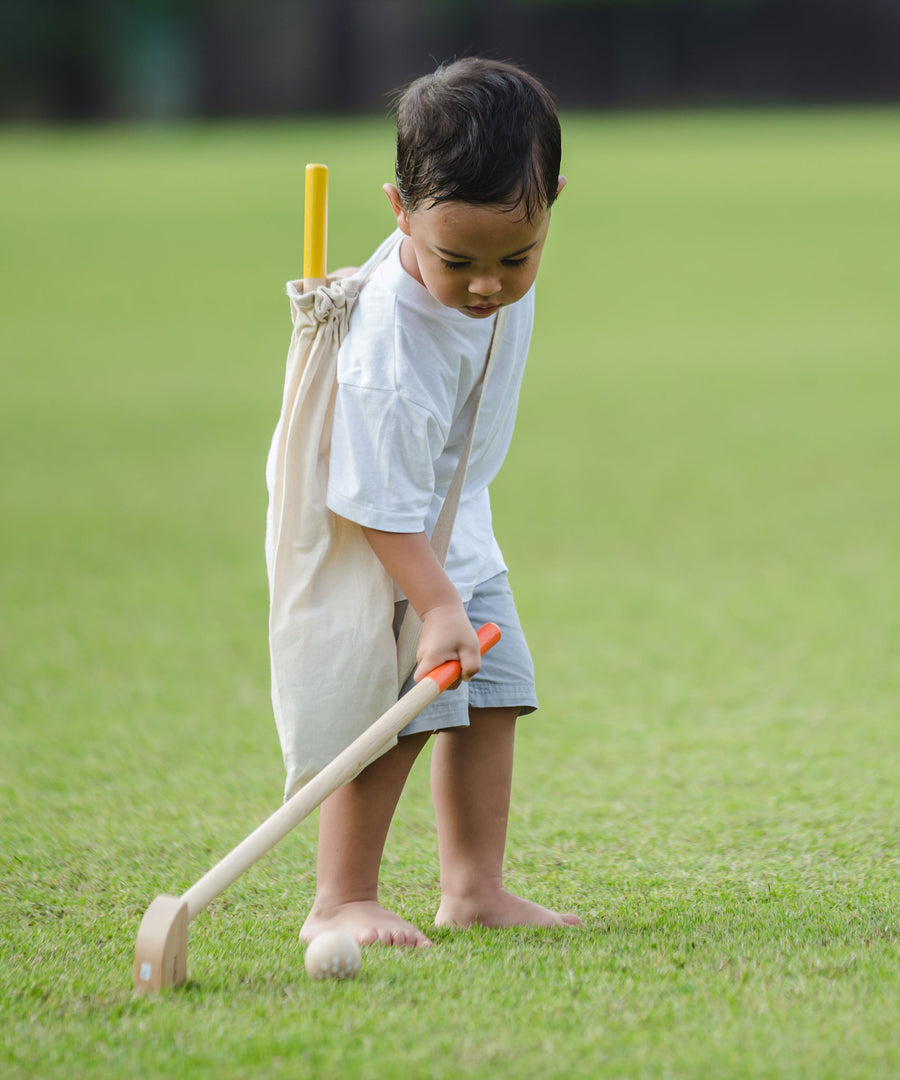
446, 289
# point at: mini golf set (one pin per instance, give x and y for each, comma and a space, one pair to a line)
160, 957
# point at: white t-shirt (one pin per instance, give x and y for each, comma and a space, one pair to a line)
406, 372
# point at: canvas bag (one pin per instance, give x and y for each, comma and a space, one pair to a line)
335, 663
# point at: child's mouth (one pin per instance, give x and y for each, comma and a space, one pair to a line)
482, 309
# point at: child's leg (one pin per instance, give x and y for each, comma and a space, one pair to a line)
353, 827
471, 781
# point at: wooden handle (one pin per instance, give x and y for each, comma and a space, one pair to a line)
336, 773
315, 223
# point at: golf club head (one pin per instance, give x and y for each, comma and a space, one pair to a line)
160, 956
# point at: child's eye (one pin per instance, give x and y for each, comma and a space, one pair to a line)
515, 263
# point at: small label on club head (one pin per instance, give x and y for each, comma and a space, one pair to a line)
146, 971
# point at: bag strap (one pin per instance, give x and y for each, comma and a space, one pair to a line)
440, 536
411, 625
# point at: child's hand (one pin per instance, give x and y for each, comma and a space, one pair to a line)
447, 634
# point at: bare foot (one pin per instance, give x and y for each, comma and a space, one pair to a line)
499, 908
367, 922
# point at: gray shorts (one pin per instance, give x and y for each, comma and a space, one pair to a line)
506, 679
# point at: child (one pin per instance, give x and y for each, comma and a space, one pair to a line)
478, 152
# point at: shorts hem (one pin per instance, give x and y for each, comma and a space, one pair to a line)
453, 718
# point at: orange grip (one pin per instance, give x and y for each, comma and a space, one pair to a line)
445, 675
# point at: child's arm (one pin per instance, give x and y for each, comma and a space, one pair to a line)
447, 633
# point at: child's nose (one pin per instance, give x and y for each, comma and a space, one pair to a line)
486, 285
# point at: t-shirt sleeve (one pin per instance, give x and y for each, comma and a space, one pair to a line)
381, 471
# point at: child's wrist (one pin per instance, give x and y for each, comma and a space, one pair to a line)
450, 605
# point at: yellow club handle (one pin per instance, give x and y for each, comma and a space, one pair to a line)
315, 222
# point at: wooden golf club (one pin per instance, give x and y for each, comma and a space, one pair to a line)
160, 956
162, 941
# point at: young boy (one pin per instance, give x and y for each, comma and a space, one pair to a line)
478, 153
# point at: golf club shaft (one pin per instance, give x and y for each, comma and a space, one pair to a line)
334, 775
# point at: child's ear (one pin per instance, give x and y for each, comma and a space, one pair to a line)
397, 206
562, 183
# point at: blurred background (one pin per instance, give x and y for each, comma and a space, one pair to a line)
64, 60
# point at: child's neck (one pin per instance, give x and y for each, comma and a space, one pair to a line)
408, 259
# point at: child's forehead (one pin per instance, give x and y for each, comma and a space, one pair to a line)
473, 220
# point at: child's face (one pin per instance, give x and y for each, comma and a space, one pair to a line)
473, 258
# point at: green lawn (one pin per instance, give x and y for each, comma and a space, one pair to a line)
702, 521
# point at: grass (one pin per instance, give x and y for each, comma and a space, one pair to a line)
700, 513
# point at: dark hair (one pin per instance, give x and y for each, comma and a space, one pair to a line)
478, 131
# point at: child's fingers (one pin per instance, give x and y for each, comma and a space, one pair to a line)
486, 638
429, 660
470, 661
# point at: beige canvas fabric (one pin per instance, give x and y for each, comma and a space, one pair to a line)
335, 664
331, 645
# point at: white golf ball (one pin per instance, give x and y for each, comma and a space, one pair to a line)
332, 955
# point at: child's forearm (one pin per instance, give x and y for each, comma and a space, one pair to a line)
410, 560
447, 633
